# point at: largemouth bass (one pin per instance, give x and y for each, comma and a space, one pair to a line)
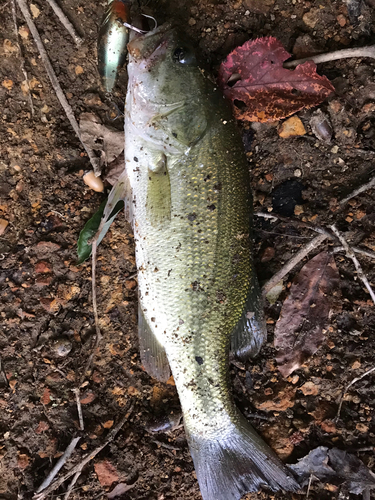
190, 204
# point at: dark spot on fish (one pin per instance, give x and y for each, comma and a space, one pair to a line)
218, 187
236, 258
220, 297
135, 159
196, 286
199, 360
211, 207
153, 320
207, 178
156, 270
169, 272
181, 321
192, 217
174, 134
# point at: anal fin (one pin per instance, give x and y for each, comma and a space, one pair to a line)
251, 331
153, 355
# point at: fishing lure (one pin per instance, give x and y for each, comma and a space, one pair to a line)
112, 41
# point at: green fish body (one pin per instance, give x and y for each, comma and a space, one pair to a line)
190, 204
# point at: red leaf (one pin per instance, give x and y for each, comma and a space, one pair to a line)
304, 314
265, 91
106, 473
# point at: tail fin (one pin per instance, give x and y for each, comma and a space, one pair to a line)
236, 463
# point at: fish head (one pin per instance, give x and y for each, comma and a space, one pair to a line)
167, 98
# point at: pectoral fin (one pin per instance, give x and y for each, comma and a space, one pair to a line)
153, 356
251, 330
158, 203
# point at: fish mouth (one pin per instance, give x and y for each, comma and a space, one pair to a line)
142, 47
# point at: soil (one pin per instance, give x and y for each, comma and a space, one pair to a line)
46, 311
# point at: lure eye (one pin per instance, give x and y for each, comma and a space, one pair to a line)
183, 55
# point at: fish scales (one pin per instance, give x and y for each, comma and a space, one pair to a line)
191, 215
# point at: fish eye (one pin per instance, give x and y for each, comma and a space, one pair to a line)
183, 55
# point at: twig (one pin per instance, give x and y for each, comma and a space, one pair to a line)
71, 485
356, 192
309, 486
335, 55
22, 62
65, 22
61, 461
349, 386
98, 336
312, 245
349, 252
79, 408
288, 220
55, 83
86, 459
367, 253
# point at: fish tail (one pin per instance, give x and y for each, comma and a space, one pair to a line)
236, 463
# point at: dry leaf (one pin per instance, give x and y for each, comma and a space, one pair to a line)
253, 78
109, 141
304, 314
106, 473
8, 84
337, 466
34, 10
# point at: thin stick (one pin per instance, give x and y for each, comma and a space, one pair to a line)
86, 459
65, 22
56, 85
335, 55
349, 252
309, 486
22, 62
79, 408
71, 485
357, 379
361, 189
317, 229
367, 253
312, 245
61, 461
95, 308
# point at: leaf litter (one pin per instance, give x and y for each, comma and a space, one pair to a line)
261, 89
305, 312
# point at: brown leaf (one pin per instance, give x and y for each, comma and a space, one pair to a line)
304, 314
106, 473
253, 78
109, 141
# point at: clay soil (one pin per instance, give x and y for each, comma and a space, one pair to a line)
47, 323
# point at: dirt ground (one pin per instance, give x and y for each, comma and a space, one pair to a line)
47, 323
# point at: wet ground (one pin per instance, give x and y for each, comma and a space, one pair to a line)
47, 317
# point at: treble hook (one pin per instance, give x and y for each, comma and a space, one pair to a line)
137, 30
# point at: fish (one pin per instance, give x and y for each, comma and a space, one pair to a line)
186, 190
112, 41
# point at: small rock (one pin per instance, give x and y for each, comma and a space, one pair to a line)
192, 21
309, 389
34, 10
311, 17
62, 347
291, 127
78, 70
297, 172
362, 428
341, 20
305, 47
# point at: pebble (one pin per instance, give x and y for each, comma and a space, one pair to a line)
291, 127
311, 17
93, 182
341, 20
297, 172
321, 126
62, 347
